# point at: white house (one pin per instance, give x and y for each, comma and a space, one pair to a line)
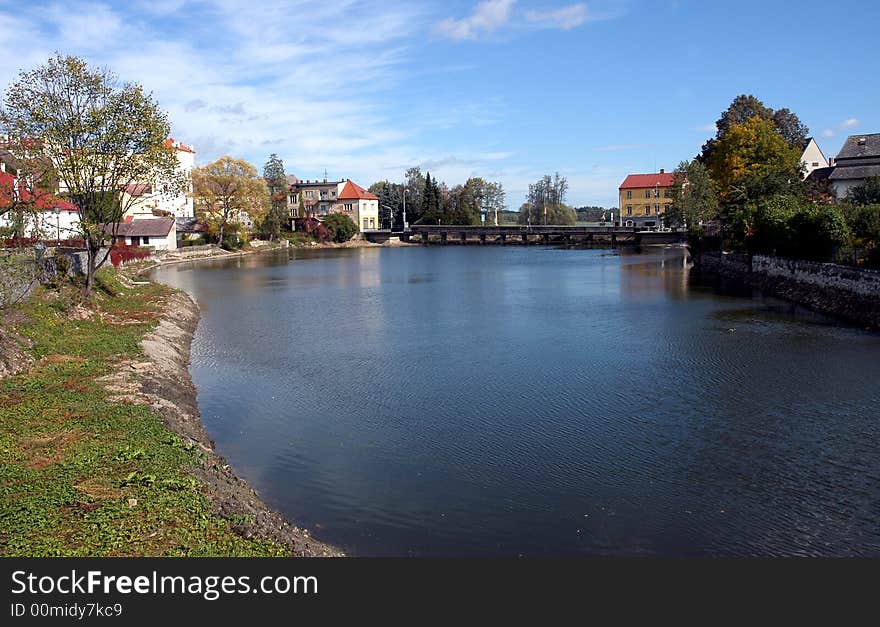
358, 204
812, 157
54, 218
160, 233
156, 197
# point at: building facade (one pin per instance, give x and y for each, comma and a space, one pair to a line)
812, 158
322, 197
859, 159
148, 200
643, 199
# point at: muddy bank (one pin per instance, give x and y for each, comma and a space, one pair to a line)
164, 381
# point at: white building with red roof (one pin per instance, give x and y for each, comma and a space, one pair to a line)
644, 198
48, 217
359, 204
156, 198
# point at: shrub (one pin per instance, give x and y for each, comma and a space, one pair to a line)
341, 226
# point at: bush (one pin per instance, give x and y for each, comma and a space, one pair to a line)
788, 226
341, 226
199, 241
232, 241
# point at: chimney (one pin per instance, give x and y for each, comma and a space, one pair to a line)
662, 171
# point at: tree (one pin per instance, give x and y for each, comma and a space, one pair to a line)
414, 185
744, 108
694, 196
868, 193
749, 153
390, 203
226, 188
430, 200
342, 227
276, 181
545, 203
100, 136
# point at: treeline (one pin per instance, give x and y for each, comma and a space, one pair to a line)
428, 201
746, 188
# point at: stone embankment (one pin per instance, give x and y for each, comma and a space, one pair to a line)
849, 293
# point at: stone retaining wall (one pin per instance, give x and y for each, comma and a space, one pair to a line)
842, 291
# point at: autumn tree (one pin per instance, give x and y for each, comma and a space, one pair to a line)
226, 188
100, 136
752, 159
744, 108
276, 181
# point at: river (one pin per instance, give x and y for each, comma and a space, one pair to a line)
536, 401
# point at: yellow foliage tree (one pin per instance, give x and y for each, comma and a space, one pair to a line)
226, 188
753, 149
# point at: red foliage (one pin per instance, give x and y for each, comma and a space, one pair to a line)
123, 253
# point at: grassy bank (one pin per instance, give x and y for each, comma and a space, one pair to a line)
83, 471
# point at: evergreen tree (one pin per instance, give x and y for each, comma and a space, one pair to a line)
276, 181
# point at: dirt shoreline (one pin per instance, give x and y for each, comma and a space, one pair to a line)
164, 380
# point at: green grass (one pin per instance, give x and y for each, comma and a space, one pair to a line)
83, 474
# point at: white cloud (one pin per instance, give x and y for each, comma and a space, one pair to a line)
707, 128
488, 16
828, 133
849, 123
564, 18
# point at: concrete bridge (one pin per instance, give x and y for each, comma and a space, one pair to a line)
546, 235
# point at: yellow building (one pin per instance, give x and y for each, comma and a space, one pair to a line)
644, 198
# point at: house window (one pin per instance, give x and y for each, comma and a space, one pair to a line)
365, 224
135, 240
629, 194
146, 241
667, 193
308, 193
647, 193
348, 206
629, 210
372, 223
815, 164
657, 209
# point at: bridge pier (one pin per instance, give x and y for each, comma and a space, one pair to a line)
443, 238
424, 238
503, 239
462, 238
482, 238
546, 238
525, 239
614, 240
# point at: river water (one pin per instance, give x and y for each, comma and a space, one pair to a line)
536, 401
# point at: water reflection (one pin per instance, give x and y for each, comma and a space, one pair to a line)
505, 401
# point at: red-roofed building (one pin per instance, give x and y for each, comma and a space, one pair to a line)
54, 217
644, 198
321, 198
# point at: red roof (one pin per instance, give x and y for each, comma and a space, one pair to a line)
170, 143
353, 191
642, 181
45, 201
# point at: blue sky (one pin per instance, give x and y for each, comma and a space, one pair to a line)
505, 89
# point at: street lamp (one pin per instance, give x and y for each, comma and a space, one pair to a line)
57, 210
405, 192
546, 198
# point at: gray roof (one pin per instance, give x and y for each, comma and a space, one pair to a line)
860, 146
147, 227
820, 174
855, 172
190, 225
